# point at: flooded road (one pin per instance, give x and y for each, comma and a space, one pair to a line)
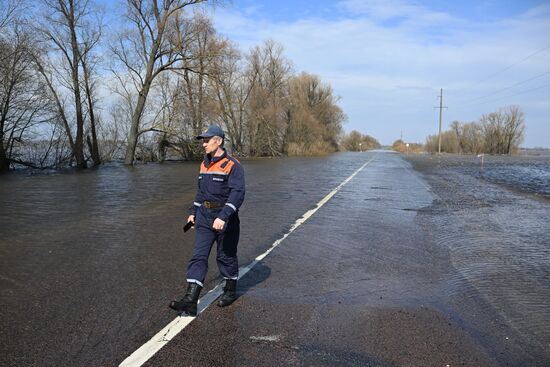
93, 258
497, 231
521, 173
90, 260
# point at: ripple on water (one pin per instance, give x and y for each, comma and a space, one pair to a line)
501, 254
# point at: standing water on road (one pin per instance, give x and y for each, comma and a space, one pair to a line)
494, 221
89, 260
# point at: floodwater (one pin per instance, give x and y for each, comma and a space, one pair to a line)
494, 221
523, 173
89, 258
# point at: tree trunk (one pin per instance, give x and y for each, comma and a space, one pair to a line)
60, 109
162, 146
136, 116
96, 159
79, 138
4, 161
93, 145
134, 128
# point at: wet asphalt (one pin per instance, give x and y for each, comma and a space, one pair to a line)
87, 273
90, 260
351, 287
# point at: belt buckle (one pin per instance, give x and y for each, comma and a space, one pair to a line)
207, 204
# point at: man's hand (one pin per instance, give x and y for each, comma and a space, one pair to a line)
190, 223
218, 224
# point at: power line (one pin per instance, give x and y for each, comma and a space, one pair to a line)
516, 94
512, 65
522, 82
468, 102
530, 90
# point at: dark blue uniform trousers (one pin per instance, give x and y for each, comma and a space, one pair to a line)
227, 241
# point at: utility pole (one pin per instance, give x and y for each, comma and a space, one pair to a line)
440, 118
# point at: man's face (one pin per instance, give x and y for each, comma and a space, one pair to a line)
212, 144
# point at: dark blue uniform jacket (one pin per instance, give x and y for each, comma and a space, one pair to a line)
221, 181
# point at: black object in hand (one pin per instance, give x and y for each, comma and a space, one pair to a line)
188, 226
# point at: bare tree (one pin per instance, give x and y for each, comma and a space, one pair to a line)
231, 89
89, 62
9, 11
72, 32
314, 118
168, 119
112, 138
157, 42
268, 72
457, 128
503, 130
498, 132
198, 100
493, 126
469, 137
449, 142
183, 101
174, 75
23, 103
355, 142
55, 97
514, 128
472, 137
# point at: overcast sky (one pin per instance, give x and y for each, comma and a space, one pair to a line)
387, 59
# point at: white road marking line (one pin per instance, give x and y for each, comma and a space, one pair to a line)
147, 350
267, 338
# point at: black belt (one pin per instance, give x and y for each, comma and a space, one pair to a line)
211, 205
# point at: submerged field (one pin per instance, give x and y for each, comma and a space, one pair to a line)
522, 173
494, 222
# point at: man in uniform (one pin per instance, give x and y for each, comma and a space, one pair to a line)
215, 217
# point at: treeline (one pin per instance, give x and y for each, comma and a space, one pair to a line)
74, 94
499, 132
402, 147
356, 142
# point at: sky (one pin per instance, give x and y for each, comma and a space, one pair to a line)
388, 59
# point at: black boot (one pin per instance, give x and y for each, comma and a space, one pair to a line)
229, 293
188, 304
